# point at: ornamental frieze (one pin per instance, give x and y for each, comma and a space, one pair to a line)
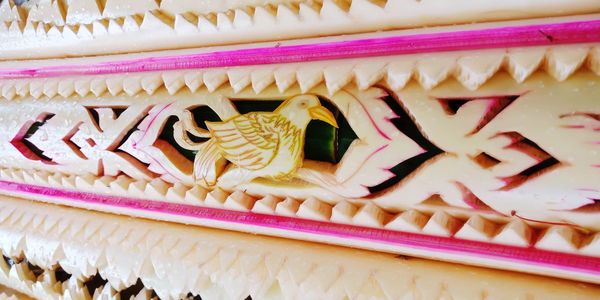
370, 145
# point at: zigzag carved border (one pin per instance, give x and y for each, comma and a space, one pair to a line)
408, 233
60, 28
44, 258
576, 32
471, 68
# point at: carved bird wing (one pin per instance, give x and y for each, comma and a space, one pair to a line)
250, 141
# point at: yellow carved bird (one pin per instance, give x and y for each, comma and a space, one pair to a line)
262, 144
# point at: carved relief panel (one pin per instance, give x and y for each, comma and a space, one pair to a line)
494, 149
464, 134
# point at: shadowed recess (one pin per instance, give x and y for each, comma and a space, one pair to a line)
405, 124
546, 162
323, 142
200, 114
27, 148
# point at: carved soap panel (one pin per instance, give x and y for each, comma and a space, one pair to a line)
528, 150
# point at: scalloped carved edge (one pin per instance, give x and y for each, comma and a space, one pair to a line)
471, 68
174, 260
477, 226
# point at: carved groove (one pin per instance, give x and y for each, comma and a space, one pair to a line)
27, 148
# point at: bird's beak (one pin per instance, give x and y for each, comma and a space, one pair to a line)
323, 114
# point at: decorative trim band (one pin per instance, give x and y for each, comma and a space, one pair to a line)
45, 258
114, 147
513, 36
60, 29
187, 147
537, 260
471, 68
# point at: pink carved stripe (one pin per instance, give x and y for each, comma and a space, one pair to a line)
502, 37
531, 256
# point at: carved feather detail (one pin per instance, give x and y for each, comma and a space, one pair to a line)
261, 144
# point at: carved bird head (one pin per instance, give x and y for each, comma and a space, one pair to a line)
301, 109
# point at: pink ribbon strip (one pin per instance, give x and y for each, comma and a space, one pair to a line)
512, 36
529, 256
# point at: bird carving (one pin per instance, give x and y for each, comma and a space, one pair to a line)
260, 144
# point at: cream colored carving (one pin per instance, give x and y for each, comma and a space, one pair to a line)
84, 11
260, 144
102, 134
103, 27
461, 136
79, 145
120, 8
478, 226
360, 165
173, 260
97, 153
49, 12
10, 294
559, 119
11, 13
471, 68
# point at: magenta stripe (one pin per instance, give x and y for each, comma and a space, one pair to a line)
562, 261
511, 36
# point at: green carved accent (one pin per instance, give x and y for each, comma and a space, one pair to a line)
323, 142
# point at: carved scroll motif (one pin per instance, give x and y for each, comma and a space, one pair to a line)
528, 152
